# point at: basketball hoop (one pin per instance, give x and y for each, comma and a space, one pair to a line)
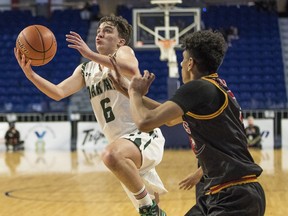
167, 50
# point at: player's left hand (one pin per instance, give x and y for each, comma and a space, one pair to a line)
76, 42
24, 63
191, 180
141, 84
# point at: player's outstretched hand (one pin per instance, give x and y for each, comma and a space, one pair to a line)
191, 180
120, 83
138, 83
23, 63
76, 42
141, 84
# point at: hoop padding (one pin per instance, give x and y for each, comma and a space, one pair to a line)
167, 51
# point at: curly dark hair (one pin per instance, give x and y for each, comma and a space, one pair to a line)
207, 48
122, 25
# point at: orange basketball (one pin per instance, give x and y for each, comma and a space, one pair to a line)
37, 43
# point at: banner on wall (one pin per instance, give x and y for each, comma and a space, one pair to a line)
90, 136
42, 135
284, 134
267, 131
3, 128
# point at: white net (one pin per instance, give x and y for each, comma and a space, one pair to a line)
167, 51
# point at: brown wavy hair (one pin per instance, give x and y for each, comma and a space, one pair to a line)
122, 25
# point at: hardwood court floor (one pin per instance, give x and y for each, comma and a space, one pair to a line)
78, 184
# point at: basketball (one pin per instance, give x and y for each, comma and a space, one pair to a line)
37, 43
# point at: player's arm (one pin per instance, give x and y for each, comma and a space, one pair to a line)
148, 119
125, 56
57, 92
254, 141
122, 87
152, 104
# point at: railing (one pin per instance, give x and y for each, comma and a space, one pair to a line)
277, 115
37, 117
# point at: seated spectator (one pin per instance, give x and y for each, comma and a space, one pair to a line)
253, 134
12, 138
232, 34
86, 12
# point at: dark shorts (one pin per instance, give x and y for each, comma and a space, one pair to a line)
246, 199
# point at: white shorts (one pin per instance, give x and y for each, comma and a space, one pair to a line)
151, 146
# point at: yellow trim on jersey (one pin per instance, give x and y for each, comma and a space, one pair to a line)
218, 112
244, 180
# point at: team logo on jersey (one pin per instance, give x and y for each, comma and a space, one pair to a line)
230, 93
101, 87
186, 127
192, 143
194, 147
198, 151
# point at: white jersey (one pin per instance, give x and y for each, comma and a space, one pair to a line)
112, 111
111, 108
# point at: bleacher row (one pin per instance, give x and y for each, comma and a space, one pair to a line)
17, 94
253, 66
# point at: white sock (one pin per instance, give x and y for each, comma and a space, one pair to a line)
143, 197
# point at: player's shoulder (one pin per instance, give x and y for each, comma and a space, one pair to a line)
199, 83
206, 88
125, 49
84, 66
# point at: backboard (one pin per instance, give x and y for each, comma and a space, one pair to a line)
163, 22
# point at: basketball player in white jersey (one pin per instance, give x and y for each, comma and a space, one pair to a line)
131, 154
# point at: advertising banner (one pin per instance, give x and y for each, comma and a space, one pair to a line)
284, 133
90, 136
42, 135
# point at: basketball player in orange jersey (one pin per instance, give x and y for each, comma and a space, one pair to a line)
131, 154
213, 120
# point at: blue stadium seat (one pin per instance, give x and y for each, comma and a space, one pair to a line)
12, 22
249, 64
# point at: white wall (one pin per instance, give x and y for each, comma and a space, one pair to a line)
284, 133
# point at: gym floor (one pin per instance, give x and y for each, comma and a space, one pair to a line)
61, 183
